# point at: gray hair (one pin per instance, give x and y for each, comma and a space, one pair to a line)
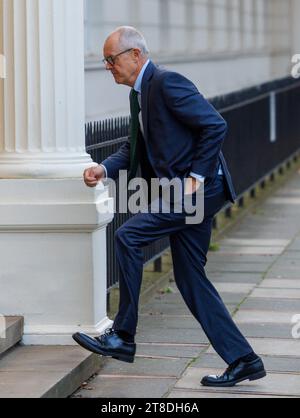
132, 38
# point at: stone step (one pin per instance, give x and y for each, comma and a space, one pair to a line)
11, 332
45, 371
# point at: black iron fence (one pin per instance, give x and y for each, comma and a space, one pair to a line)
103, 139
264, 131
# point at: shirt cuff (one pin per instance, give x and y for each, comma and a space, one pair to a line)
198, 177
105, 169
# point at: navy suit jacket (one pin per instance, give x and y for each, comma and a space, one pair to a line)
183, 132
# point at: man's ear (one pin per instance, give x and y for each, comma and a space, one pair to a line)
136, 53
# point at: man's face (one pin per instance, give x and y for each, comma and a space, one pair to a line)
125, 67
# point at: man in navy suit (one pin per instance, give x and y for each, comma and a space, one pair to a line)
175, 133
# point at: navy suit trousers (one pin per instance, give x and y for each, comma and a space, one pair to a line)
189, 247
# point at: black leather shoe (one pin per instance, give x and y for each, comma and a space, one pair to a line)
236, 373
108, 344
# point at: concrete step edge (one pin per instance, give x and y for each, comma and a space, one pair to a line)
46, 371
70, 383
11, 332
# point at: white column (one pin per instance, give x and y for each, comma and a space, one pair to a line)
42, 100
52, 227
2, 66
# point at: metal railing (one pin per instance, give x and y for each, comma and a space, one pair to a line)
103, 139
264, 130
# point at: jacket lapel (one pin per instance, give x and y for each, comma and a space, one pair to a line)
145, 95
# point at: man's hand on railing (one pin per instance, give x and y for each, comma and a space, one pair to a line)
93, 175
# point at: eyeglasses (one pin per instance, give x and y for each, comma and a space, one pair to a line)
112, 59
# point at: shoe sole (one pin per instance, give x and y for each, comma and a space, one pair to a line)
127, 359
120, 357
255, 376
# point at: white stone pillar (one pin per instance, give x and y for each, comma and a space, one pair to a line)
42, 120
52, 227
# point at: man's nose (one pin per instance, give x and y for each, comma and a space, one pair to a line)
108, 66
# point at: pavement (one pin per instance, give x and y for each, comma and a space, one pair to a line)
257, 272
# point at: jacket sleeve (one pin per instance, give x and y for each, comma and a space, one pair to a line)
118, 161
192, 109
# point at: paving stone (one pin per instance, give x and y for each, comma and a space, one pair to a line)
291, 262
284, 201
170, 350
159, 311
156, 308
183, 336
127, 387
206, 361
276, 293
283, 275
169, 322
234, 287
281, 268
237, 267
235, 277
266, 330
173, 296
183, 394
281, 284
273, 384
233, 298
273, 347
167, 367
176, 298
242, 258
255, 242
282, 364
282, 305
290, 255
267, 231
295, 245
244, 316
252, 250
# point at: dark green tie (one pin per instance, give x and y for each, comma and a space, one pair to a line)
134, 132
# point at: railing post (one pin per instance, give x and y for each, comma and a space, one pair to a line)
158, 265
241, 202
215, 223
228, 212
253, 193
108, 302
263, 184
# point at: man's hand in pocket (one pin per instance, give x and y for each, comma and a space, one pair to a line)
191, 185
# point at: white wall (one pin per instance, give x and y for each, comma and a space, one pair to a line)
221, 45
296, 27
213, 77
